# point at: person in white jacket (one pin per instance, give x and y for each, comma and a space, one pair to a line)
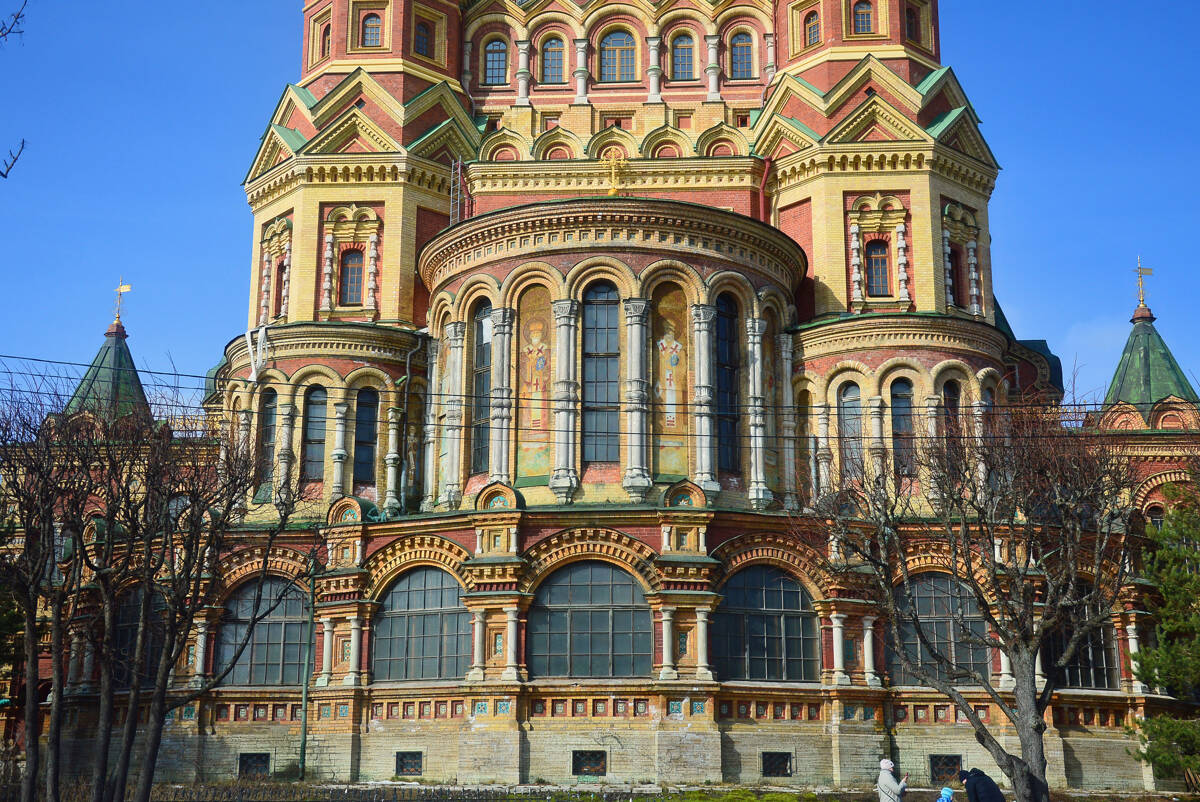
890, 790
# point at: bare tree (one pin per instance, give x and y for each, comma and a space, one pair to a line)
11, 26
1029, 512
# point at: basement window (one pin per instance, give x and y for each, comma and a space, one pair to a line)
408, 764
777, 764
589, 763
254, 764
944, 768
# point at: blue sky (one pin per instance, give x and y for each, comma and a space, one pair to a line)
142, 125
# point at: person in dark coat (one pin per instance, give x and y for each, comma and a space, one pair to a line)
980, 787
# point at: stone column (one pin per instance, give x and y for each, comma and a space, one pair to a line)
703, 670
284, 454
89, 668
452, 483
856, 274
287, 279
824, 450
566, 401
787, 423
637, 481
429, 496
372, 272
877, 449
478, 636
840, 677
327, 276
326, 652
391, 498
668, 645
511, 636
1038, 673
339, 449
946, 265
1006, 675
502, 405
902, 262
713, 69
356, 628
760, 496
523, 73
581, 71
703, 317
654, 70
868, 624
74, 663
466, 67
973, 277
769, 41
1131, 636
200, 670
264, 295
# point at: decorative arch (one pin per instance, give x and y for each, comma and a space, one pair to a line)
514, 29
405, 553
557, 137
607, 545
685, 493
955, 369
665, 135
548, 23
676, 272
309, 375
369, 378
479, 285
729, 21
613, 136
614, 14
903, 367
773, 299
351, 510
527, 275
839, 374
1174, 413
605, 267
498, 497
440, 313
499, 140
1152, 483
239, 566
676, 19
780, 550
722, 132
739, 285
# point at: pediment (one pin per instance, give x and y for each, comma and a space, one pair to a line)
876, 121
445, 142
962, 134
356, 85
278, 145
353, 132
782, 136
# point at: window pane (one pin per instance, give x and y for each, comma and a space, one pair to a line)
275, 653
765, 628
552, 62
421, 628
682, 59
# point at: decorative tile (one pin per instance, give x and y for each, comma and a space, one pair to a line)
674, 707
393, 710
280, 713
760, 709
189, 712
641, 707
779, 711
503, 707
600, 707
343, 711
326, 711
579, 707
743, 710
539, 707
814, 712
426, 710
797, 711
868, 713
725, 709
698, 707
481, 708
849, 712
560, 707
440, 710
410, 709
620, 707
456, 709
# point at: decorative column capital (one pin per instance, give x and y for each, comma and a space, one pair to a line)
637, 310
703, 314
565, 311
456, 332
502, 319
756, 326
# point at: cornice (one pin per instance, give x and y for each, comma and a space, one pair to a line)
874, 158
399, 169
587, 175
911, 333
314, 342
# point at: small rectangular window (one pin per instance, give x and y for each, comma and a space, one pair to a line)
944, 768
254, 764
777, 764
589, 763
408, 764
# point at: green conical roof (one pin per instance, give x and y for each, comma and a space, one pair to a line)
111, 387
1147, 372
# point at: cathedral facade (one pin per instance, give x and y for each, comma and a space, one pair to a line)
563, 313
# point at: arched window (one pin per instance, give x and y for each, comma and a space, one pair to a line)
904, 452
423, 40
589, 619
280, 275
850, 431
552, 61
481, 387
942, 603
864, 17
1094, 664
326, 41
372, 31
422, 630
912, 24
601, 373
312, 465
275, 653
129, 615
617, 57
766, 628
957, 294
366, 436
951, 406
741, 57
878, 274
726, 360
495, 63
266, 436
1155, 516
350, 280
812, 29
683, 60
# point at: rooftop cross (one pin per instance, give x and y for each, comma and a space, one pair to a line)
616, 162
122, 288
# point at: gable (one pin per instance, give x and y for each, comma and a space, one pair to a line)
958, 131
876, 121
354, 132
278, 145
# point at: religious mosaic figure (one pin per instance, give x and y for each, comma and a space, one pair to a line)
536, 376
670, 386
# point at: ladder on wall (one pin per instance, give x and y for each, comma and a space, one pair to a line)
456, 191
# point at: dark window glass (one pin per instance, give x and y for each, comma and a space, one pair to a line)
958, 288
372, 31
904, 452
422, 629
326, 41
495, 63
944, 769
741, 57
552, 62
878, 280
481, 388
850, 431
682, 58
777, 764
617, 57
864, 18
280, 273
589, 763
350, 283
408, 764
366, 436
254, 764
726, 360
589, 619
1094, 664
423, 40
129, 615
601, 373
941, 602
266, 436
1156, 515
766, 628
812, 29
951, 406
275, 653
315, 409
912, 24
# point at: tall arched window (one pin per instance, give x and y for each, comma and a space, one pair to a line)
941, 602
912, 24
372, 31
878, 274
726, 360
951, 407
266, 435
275, 653
422, 630
350, 279
864, 17
1095, 662
423, 40
850, 431
617, 57
589, 619
812, 29
601, 373
904, 452
766, 628
741, 57
1155, 516
366, 436
552, 61
683, 58
129, 616
326, 41
312, 465
280, 274
495, 63
481, 387
958, 281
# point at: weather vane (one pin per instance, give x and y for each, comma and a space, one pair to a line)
122, 288
1142, 272
616, 162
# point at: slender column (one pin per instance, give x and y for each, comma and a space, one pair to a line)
244, 420
391, 499
703, 670
264, 296
510, 644
1006, 675
654, 70
326, 652
637, 481
868, 624
856, 275
1131, 636
523, 73
760, 496
703, 317
327, 276
502, 395
902, 262
787, 422
877, 450
946, 265
287, 279
372, 272
713, 68
668, 645
89, 667
973, 276
429, 496
933, 405
356, 628
284, 454
478, 635
840, 677
452, 483
1038, 672
74, 663
581, 71
769, 40
824, 451
200, 671
466, 65
566, 401
339, 449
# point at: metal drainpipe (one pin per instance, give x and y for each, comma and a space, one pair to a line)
309, 648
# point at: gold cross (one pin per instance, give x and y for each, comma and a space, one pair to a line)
122, 288
616, 162
1142, 272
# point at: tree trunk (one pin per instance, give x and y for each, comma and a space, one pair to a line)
154, 730
54, 734
104, 716
33, 729
1029, 771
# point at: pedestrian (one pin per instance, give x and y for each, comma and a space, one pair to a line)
980, 787
890, 790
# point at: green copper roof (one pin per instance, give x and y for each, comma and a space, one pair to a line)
1147, 372
111, 387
